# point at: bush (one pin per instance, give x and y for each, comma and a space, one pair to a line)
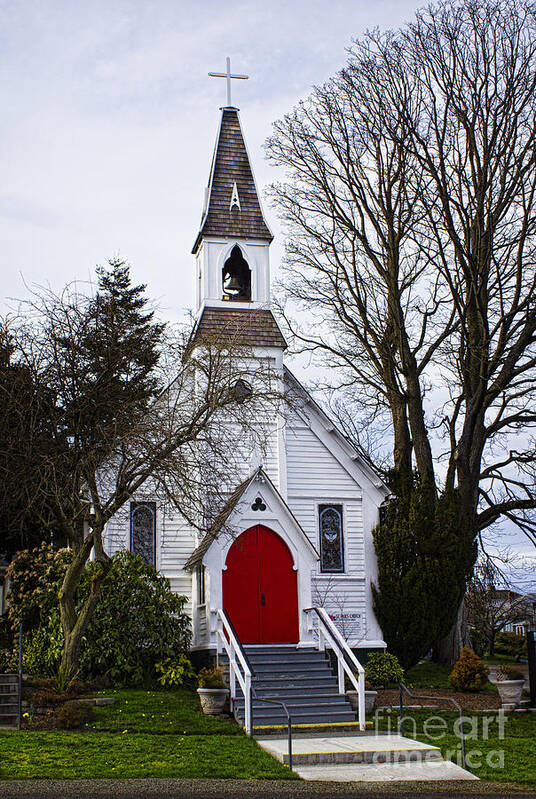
425, 551
34, 579
174, 672
211, 677
138, 622
511, 644
509, 673
9, 661
42, 648
73, 714
469, 673
44, 693
383, 668
479, 641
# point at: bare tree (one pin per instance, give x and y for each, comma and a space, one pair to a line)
410, 213
491, 605
132, 408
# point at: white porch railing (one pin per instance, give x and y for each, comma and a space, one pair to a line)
347, 662
239, 669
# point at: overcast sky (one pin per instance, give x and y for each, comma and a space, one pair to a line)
109, 121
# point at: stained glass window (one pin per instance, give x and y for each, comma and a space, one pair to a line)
331, 538
143, 530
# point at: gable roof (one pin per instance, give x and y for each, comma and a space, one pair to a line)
254, 327
327, 423
219, 522
231, 175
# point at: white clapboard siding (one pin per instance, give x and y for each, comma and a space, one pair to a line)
344, 599
311, 467
175, 542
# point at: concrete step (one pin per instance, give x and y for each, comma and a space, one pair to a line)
293, 701
305, 716
292, 670
350, 749
296, 681
424, 771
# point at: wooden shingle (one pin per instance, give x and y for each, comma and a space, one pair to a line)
256, 327
231, 165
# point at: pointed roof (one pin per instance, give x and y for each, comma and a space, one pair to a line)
234, 500
231, 176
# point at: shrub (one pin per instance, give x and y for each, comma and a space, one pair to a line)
425, 551
73, 714
383, 668
42, 648
469, 673
9, 661
479, 641
211, 677
174, 672
511, 644
509, 673
139, 621
34, 579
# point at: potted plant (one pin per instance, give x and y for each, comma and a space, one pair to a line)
212, 690
382, 669
510, 682
370, 698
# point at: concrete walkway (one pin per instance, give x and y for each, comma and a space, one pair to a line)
371, 758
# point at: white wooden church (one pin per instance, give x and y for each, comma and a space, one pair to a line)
303, 519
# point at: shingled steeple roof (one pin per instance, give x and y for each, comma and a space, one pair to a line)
231, 177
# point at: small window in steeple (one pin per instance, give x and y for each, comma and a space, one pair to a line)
236, 276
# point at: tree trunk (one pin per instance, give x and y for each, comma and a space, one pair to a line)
450, 647
74, 622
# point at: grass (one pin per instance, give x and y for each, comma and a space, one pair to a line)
491, 757
159, 713
428, 675
145, 734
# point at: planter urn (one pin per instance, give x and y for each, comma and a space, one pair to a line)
510, 691
212, 700
370, 698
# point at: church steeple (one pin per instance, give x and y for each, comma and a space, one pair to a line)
233, 243
232, 207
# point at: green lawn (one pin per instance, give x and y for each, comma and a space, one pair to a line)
490, 758
428, 675
159, 712
145, 734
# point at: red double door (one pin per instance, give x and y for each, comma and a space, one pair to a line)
260, 588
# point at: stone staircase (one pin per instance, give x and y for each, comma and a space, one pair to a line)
303, 680
9, 701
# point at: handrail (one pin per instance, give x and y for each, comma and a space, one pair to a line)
344, 654
235, 651
402, 688
289, 720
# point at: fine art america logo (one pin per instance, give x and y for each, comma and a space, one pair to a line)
465, 732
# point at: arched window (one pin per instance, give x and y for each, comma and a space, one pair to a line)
331, 538
143, 530
236, 277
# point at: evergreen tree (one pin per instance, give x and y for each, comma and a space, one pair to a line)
425, 557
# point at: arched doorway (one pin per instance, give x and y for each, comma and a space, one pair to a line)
260, 588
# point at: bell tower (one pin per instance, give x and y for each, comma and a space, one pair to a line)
232, 248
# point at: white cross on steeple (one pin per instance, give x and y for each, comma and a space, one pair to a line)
227, 75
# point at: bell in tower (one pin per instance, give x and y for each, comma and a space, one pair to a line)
236, 277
